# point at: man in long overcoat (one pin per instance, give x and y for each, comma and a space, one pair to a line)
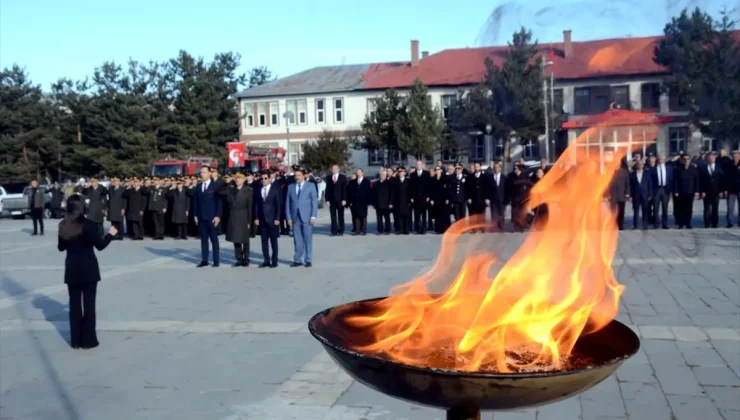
358, 194
135, 198
98, 203
402, 201
116, 206
180, 199
241, 202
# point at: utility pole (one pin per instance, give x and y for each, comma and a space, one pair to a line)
545, 108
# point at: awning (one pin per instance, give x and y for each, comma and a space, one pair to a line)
617, 117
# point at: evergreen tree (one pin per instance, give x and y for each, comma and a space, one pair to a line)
473, 111
420, 127
329, 149
379, 128
259, 76
28, 137
516, 89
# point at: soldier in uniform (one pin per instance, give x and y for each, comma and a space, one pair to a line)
97, 205
402, 202
476, 194
240, 197
457, 193
157, 206
116, 206
383, 202
439, 200
180, 199
147, 222
135, 199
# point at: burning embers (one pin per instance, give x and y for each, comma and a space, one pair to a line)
557, 287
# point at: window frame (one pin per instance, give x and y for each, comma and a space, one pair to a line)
274, 114
262, 114
652, 95
301, 113
294, 104
531, 149
578, 109
678, 141
376, 157
320, 111
613, 90
338, 111
249, 115
478, 144
447, 107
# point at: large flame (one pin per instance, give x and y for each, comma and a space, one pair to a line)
556, 287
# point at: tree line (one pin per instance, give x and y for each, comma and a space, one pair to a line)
125, 116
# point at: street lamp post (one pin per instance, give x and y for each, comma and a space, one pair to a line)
548, 101
489, 149
288, 115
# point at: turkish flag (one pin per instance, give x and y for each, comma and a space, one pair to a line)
236, 155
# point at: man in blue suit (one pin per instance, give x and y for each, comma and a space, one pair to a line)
267, 210
662, 175
301, 208
641, 187
207, 211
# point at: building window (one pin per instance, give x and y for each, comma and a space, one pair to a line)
478, 148
248, 115
320, 111
600, 99
338, 110
677, 137
291, 108
498, 150
531, 149
375, 157
448, 102
372, 106
396, 157
274, 114
262, 113
449, 156
380, 156
302, 116
709, 144
582, 101
621, 97
677, 103
557, 101
295, 154
650, 97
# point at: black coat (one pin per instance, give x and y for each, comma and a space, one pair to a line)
438, 190
497, 193
476, 189
180, 205
116, 203
732, 178
713, 184
57, 196
518, 187
686, 180
336, 193
135, 204
619, 189
241, 203
269, 209
98, 205
359, 196
81, 265
383, 194
457, 189
402, 196
157, 199
420, 187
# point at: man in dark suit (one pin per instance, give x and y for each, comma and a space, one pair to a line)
267, 217
685, 191
641, 186
497, 197
207, 209
619, 192
457, 192
732, 182
662, 175
402, 202
713, 188
359, 199
336, 199
383, 202
475, 192
420, 180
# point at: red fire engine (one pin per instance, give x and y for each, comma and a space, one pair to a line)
177, 167
253, 158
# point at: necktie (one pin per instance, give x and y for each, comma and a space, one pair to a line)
264, 193
711, 169
299, 190
660, 173
204, 187
335, 179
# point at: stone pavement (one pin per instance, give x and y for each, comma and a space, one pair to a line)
232, 344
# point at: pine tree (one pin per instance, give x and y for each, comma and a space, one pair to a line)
379, 128
473, 112
420, 127
259, 76
328, 150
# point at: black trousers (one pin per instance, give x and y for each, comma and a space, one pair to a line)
359, 224
119, 227
181, 230
336, 213
352, 215
82, 314
458, 210
618, 207
420, 216
269, 234
56, 212
441, 217
38, 220
497, 215
518, 218
404, 222
431, 216
383, 218
241, 253
711, 211
158, 218
684, 209
135, 229
396, 223
660, 205
641, 213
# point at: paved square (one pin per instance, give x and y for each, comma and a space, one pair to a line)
232, 343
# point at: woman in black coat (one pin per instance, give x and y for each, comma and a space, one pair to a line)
241, 203
78, 236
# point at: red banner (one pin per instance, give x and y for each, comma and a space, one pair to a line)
236, 155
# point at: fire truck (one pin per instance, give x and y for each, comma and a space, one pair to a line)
177, 167
253, 158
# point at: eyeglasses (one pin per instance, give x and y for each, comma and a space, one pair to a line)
265, 178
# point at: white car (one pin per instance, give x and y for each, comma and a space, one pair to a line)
4, 195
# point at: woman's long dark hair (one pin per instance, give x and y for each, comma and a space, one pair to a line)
74, 220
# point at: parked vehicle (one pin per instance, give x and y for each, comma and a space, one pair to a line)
16, 205
9, 192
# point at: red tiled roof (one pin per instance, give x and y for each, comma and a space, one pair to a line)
590, 59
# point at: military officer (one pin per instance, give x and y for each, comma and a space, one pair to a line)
180, 199
135, 198
402, 202
97, 204
157, 206
457, 193
240, 197
116, 206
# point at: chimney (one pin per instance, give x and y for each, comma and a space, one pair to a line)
424, 54
567, 44
414, 53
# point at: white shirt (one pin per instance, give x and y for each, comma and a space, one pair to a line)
711, 169
661, 174
639, 175
359, 181
300, 187
334, 177
459, 177
497, 177
401, 179
477, 174
265, 191
205, 185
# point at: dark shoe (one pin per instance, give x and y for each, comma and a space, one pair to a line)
42, 233
729, 226
379, 233
689, 227
274, 265
308, 265
296, 264
202, 264
263, 265
355, 233
34, 234
363, 233
90, 346
237, 264
665, 227
245, 264
216, 265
